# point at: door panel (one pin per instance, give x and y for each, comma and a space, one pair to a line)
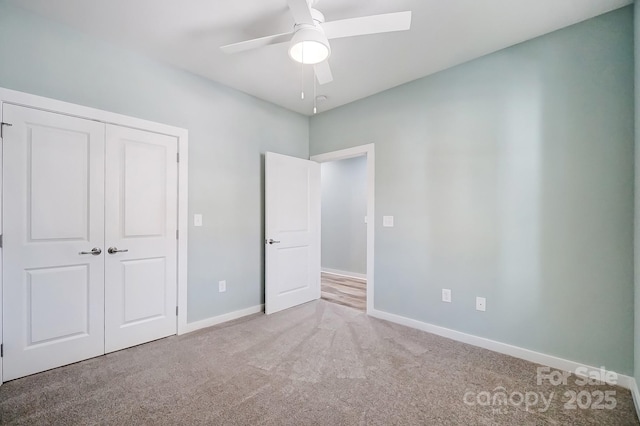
144, 174
145, 294
141, 217
293, 263
58, 178
292, 216
57, 303
53, 209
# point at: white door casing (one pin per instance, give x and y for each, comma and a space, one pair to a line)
292, 231
141, 218
53, 210
369, 152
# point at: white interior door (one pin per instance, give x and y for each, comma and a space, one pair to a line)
53, 212
141, 224
292, 231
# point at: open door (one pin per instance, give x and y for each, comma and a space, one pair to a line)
292, 231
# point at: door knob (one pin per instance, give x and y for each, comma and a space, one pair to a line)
272, 241
114, 250
94, 251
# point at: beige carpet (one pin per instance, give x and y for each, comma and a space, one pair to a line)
317, 364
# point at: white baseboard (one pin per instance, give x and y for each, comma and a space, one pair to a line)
208, 322
626, 382
344, 273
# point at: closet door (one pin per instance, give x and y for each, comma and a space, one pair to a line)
53, 209
140, 237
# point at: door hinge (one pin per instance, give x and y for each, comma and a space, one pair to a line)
2, 128
2, 350
0, 240
178, 157
176, 311
177, 234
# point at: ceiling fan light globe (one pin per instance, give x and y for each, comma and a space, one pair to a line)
309, 52
309, 46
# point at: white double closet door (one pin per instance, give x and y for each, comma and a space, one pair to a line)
89, 243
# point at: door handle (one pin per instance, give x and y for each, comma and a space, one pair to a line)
114, 250
94, 251
272, 241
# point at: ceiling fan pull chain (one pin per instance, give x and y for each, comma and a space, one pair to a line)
302, 79
315, 97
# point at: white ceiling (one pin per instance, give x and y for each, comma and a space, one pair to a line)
188, 34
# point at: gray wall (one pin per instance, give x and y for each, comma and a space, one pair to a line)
636, 22
344, 206
510, 177
228, 132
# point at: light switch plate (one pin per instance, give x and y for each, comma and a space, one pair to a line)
387, 221
446, 295
197, 220
481, 304
222, 286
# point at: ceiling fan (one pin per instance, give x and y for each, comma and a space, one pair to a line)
309, 40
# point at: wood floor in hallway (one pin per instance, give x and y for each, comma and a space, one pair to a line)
345, 291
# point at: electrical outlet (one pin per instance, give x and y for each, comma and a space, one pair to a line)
481, 304
446, 295
387, 221
222, 286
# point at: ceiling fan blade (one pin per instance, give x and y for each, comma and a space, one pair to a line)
300, 11
388, 22
256, 43
323, 72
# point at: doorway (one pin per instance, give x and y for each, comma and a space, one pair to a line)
351, 283
344, 232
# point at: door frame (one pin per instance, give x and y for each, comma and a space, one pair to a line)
8, 96
369, 152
